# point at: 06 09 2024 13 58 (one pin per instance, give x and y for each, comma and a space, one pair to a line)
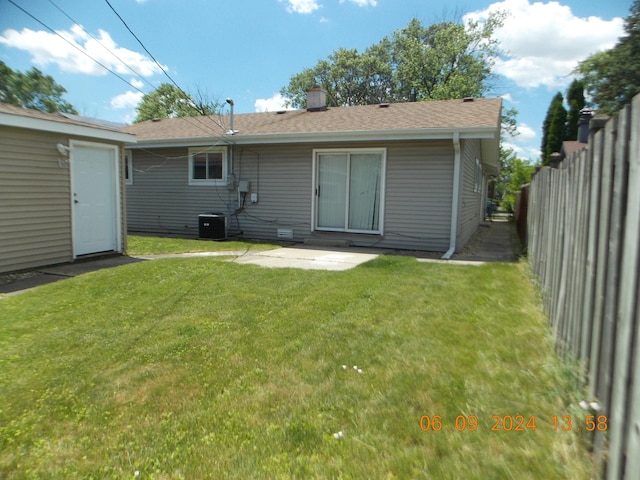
513, 423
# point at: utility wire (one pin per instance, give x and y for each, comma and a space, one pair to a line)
74, 45
184, 94
103, 46
198, 123
143, 46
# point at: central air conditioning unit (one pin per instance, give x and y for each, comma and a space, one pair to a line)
212, 226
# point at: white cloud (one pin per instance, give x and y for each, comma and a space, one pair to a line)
128, 99
525, 133
274, 104
508, 98
544, 42
363, 3
136, 83
45, 48
302, 6
523, 151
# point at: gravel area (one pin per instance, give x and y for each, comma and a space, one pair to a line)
7, 278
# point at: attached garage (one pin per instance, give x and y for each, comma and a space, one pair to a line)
61, 188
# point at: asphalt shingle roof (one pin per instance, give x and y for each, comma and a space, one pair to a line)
480, 113
58, 117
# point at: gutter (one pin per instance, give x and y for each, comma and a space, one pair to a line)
66, 128
321, 137
456, 196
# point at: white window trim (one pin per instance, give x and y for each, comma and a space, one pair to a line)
128, 154
208, 182
314, 185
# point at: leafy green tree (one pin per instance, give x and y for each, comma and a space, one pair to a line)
442, 61
612, 77
514, 173
33, 90
168, 101
576, 101
554, 129
349, 78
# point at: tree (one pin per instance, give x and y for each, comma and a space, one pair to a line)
514, 173
576, 101
33, 90
612, 77
554, 129
443, 61
168, 101
349, 78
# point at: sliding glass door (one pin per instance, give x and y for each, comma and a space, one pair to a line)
349, 190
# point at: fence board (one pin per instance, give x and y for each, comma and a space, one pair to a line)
602, 273
583, 237
628, 295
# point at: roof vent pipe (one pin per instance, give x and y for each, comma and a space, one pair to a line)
231, 130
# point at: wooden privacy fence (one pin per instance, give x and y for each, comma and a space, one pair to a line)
583, 234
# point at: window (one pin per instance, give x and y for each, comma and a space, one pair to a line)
207, 166
128, 167
349, 190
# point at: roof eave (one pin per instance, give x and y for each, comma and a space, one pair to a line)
325, 137
72, 129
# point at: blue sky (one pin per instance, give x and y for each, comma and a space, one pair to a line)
249, 49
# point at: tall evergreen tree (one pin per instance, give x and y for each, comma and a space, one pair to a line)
576, 101
554, 128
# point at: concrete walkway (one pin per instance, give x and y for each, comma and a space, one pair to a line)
307, 258
495, 241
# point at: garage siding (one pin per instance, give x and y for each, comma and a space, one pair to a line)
35, 208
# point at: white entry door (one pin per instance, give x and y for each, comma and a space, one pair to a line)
95, 198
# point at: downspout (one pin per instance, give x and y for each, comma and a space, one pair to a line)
455, 200
231, 165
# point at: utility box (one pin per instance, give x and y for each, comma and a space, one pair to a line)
212, 226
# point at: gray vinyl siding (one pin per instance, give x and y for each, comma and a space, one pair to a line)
470, 205
160, 200
35, 207
419, 178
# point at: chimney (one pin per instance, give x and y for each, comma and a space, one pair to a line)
316, 100
583, 125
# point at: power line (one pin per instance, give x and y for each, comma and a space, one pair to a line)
73, 45
103, 46
198, 123
146, 50
184, 94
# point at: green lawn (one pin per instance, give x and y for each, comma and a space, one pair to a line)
145, 245
202, 368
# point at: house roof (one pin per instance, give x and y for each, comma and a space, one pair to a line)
20, 117
479, 118
569, 147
